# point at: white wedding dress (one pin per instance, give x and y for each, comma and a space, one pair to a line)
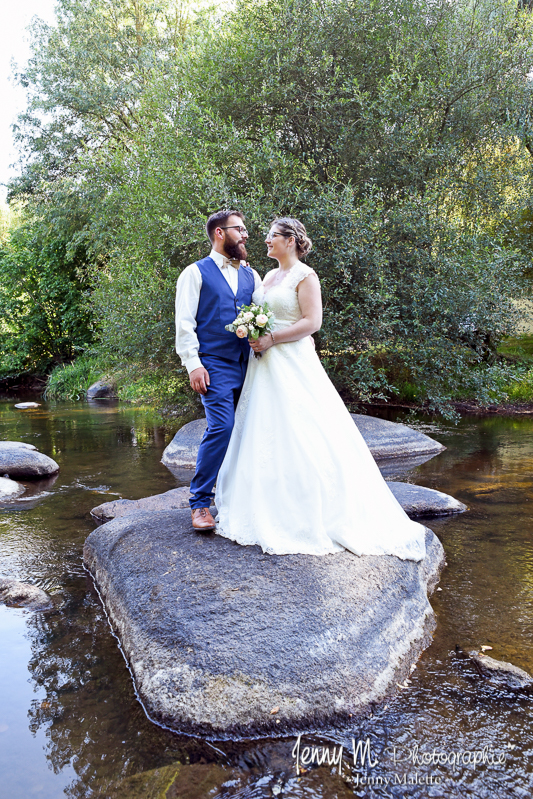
298, 476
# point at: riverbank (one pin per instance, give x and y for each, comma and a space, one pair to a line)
463, 408
157, 396
165, 390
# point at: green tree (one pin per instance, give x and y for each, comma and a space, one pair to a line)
85, 78
396, 131
43, 316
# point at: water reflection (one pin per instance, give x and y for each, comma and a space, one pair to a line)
98, 742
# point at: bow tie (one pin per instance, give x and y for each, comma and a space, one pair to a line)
230, 262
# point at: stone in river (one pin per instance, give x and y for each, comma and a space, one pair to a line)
14, 444
420, 501
385, 440
9, 488
21, 462
102, 390
23, 406
415, 500
501, 673
183, 449
23, 595
175, 498
393, 440
217, 634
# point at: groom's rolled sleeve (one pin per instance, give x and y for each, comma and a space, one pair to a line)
187, 299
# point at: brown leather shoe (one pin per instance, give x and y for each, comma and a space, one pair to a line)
202, 519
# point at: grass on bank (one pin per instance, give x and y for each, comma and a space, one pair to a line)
517, 351
167, 391
71, 381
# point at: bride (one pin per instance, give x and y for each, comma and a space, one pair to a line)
298, 476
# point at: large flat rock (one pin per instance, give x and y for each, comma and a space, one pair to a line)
386, 440
23, 462
170, 500
218, 635
415, 500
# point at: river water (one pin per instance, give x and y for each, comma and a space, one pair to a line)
70, 723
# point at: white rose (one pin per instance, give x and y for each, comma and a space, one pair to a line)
248, 316
242, 331
261, 319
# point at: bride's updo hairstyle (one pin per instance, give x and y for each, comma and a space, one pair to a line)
293, 227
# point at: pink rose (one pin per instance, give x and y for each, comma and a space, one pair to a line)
261, 319
242, 331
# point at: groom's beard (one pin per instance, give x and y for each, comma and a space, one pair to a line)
235, 251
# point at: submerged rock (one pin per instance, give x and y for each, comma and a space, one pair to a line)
217, 634
102, 390
23, 595
200, 779
23, 462
175, 498
9, 488
385, 440
420, 501
176, 781
415, 500
501, 673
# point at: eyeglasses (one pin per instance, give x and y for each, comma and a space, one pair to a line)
271, 235
242, 230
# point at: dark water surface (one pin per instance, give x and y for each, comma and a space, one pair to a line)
70, 724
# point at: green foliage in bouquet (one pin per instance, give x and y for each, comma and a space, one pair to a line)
252, 321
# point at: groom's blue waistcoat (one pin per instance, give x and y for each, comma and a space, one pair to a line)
217, 307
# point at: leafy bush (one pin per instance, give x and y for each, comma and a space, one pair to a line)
43, 316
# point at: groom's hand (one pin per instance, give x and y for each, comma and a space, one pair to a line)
199, 380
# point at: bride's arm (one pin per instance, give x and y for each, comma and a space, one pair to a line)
310, 301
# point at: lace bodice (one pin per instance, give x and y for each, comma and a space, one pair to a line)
283, 298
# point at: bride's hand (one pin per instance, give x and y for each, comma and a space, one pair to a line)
262, 343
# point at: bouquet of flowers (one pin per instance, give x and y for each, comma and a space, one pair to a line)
253, 321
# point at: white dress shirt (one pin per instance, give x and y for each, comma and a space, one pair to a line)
187, 299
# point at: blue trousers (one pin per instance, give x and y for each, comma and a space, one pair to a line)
220, 402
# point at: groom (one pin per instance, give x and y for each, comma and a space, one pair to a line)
208, 295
